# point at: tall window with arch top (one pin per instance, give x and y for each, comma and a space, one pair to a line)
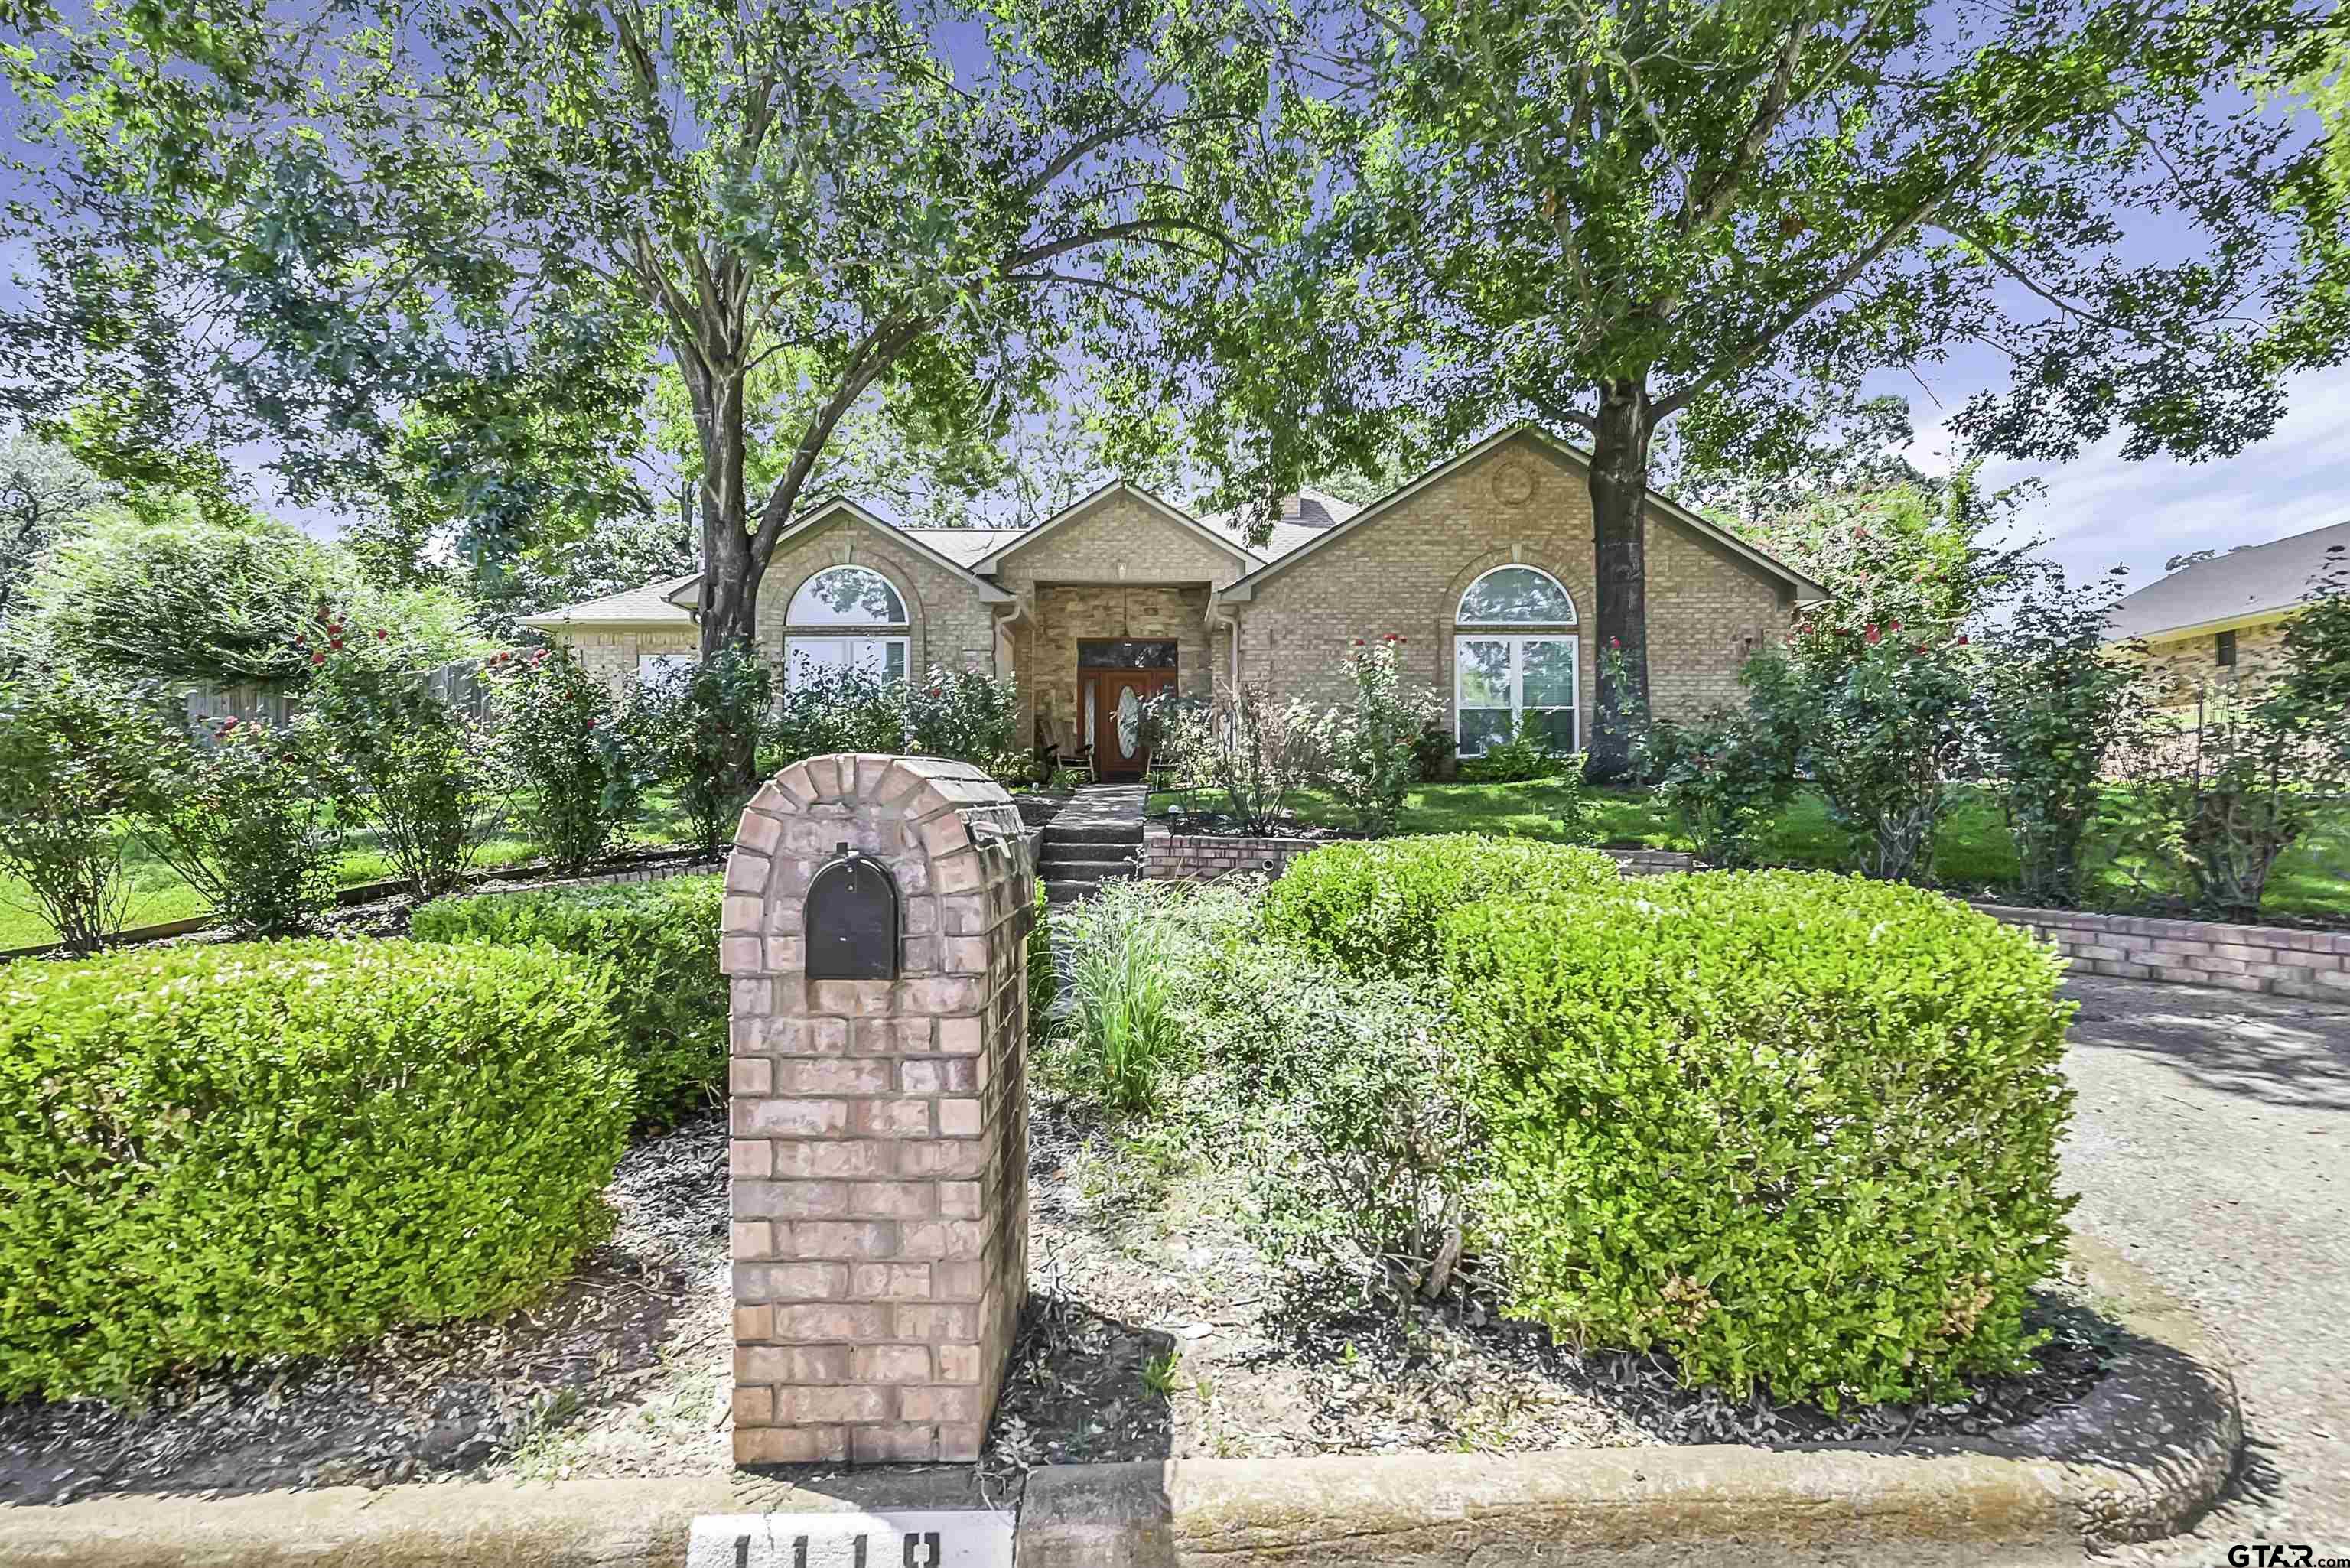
869, 614
1507, 682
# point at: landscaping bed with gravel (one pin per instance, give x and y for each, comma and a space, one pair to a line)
636, 1337
1155, 1328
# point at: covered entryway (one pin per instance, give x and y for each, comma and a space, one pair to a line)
1115, 678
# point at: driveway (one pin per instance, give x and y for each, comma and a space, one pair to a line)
2212, 1144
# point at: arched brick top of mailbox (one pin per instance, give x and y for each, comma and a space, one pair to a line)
948, 834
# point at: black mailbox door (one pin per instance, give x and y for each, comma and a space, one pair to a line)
851, 919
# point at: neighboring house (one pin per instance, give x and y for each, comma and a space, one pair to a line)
1482, 565
2223, 619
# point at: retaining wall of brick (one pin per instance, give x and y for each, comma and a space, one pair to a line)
2314, 965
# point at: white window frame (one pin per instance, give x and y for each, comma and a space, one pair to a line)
792, 606
653, 666
1572, 707
899, 639
1520, 567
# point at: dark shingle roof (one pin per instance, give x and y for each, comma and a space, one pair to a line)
2257, 580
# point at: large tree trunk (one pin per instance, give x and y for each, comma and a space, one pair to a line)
1619, 488
730, 569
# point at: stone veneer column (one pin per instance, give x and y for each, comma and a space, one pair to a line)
880, 1152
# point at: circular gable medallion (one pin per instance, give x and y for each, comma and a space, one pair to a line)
1513, 483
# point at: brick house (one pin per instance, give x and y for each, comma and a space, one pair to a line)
1484, 565
2221, 620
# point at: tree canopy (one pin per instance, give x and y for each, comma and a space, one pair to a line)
911, 212
1730, 213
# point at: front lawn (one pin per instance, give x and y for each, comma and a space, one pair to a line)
1973, 853
157, 895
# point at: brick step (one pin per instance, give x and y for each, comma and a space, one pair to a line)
1064, 890
1112, 833
1073, 855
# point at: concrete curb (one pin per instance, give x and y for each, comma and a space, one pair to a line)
2151, 1449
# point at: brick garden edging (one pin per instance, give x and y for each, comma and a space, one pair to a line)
2312, 965
2276, 960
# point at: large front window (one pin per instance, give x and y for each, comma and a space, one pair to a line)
1502, 684
882, 656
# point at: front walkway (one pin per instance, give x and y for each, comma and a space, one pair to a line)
2211, 1143
1095, 838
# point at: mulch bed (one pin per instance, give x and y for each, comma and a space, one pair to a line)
432, 1401
1155, 1329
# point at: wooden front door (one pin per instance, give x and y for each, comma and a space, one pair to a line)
1112, 702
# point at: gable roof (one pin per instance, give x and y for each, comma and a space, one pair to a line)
1805, 588
2242, 585
925, 542
646, 606
1026, 536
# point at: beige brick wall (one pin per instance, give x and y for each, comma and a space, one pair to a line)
1404, 572
1120, 538
2185, 665
611, 654
950, 626
878, 1161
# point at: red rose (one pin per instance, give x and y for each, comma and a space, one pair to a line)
1962, 642
317, 658
381, 634
336, 644
1614, 642
1358, 642
1873, 637
1919, 649
1894, 627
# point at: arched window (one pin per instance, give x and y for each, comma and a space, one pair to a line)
1506, 686
847, 595
1516, 595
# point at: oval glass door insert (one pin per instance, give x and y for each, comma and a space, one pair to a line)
1130, 721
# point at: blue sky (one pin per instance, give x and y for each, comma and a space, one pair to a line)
2103, 510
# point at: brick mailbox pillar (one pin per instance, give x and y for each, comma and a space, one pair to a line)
879, 1126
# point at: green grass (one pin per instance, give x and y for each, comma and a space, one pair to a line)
1973, 853
157, 894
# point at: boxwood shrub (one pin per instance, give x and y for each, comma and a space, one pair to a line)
1375, 909
658, 943
218, 1153
1793, 1127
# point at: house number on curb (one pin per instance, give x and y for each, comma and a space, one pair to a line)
966, 1538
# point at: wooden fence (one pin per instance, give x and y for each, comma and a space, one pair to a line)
278, 704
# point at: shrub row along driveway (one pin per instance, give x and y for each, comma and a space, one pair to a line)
2212, 1144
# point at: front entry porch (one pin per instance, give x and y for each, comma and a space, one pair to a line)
1115, 678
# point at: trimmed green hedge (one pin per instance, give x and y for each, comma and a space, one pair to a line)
658, 943
1376, 909
1793, 1127
217, 1153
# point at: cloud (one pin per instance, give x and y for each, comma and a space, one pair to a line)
2103, 510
